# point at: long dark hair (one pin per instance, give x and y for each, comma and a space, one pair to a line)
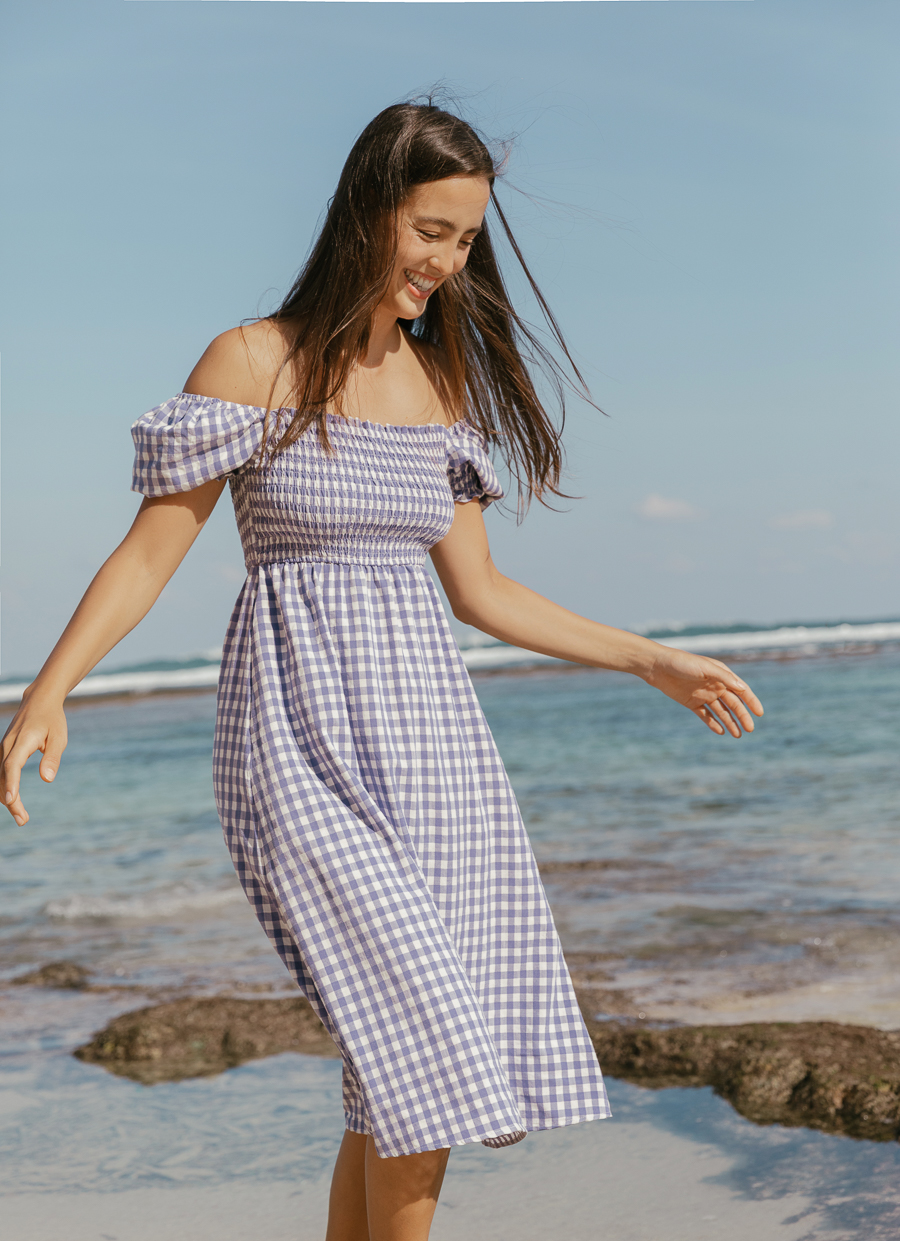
487, 348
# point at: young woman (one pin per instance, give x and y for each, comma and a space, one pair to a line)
365, 805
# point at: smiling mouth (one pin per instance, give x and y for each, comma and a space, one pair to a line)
421, 285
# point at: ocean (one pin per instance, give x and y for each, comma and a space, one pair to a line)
693, 878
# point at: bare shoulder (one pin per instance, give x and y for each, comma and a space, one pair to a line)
242, 365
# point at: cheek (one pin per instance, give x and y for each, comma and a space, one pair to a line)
408, 256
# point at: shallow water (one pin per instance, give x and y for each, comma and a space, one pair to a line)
68, 1129
693, 878
732, 880
721, 877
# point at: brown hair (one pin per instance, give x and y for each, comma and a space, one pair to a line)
329, 309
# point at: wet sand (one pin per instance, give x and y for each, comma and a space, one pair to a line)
697, 955
635, 1185
673, 1165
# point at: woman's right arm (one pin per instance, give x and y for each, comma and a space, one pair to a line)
120, 596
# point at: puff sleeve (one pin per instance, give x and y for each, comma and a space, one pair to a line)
190, 440
469, 468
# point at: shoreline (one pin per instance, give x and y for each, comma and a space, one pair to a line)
539, 665
835, 1077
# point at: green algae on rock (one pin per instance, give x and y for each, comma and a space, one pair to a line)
818, 1074
201, 1037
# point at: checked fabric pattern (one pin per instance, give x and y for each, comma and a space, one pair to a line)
367, 810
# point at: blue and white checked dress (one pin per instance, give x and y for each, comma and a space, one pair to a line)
368, 813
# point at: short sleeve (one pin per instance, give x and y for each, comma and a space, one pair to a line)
469, 468
191, 440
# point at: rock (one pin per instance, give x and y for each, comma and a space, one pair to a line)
200, 1037
63, 974
837, 1078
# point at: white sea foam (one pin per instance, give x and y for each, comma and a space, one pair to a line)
130, 683
146, 907
797, 637
788, 636
484, 653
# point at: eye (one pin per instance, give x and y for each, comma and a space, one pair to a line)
429, 236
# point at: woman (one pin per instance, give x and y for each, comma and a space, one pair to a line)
365, 805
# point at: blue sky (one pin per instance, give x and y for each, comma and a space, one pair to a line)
720, 249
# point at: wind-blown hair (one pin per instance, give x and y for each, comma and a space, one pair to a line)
487, 349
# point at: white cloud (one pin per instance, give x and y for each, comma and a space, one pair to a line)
806, 519
658, 508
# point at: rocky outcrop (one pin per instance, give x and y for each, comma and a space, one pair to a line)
837, 1078
200, 1037
67, 975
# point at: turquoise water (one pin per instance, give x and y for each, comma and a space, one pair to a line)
755, 848
715, 874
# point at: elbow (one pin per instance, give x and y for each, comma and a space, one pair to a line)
463, 613
471, 607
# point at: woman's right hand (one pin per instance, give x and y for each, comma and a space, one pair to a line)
37, 725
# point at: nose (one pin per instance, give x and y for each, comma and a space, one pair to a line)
442, 261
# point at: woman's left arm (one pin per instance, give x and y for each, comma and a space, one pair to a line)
481, 596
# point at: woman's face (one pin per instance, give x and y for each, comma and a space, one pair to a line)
438, 224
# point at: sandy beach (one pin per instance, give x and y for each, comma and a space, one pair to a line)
645, 1185
673, 1165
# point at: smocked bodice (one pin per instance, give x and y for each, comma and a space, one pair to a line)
383, 495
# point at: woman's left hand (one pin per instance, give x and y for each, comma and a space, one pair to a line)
708, 688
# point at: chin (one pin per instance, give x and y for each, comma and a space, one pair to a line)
405, 308
408, 309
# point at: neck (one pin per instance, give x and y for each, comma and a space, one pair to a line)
385, 337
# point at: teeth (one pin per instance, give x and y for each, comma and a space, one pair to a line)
421, 283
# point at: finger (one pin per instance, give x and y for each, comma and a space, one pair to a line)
742, 689
10, 775
747, 696
52, 757
720, 710
18, 811
11, 798
738, 709
709, 720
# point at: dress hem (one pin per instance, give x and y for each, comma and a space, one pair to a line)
391, 1150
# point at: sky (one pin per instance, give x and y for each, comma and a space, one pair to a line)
706, 192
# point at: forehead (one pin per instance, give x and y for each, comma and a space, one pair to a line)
461, 201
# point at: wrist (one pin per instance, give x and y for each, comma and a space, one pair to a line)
641, 657
45, 693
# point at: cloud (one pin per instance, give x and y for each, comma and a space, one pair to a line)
658, 508
806, 519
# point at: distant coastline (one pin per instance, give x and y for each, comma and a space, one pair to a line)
737, 641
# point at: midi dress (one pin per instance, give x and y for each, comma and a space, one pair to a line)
367, 810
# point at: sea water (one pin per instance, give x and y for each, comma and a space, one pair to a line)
693, 877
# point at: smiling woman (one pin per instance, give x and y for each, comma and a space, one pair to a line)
368, 813
405, 240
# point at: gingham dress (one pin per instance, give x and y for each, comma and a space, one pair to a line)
367, 811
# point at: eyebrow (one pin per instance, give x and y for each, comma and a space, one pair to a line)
442, 223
